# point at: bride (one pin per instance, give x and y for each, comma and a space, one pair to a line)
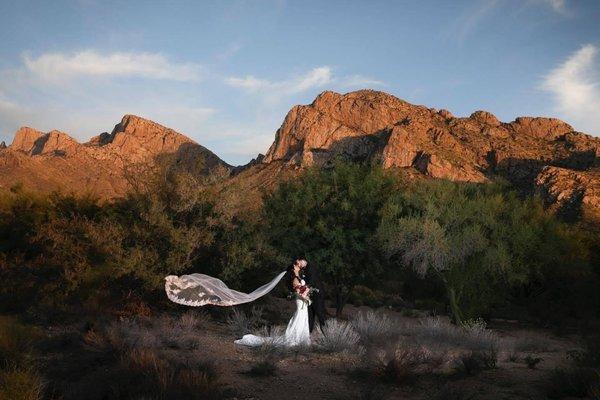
199, 290
297, 332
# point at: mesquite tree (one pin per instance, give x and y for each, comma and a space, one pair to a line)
475, 238
330, 216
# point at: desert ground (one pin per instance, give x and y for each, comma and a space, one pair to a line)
366, 354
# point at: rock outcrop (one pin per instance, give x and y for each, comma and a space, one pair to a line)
543, 155
571, 192
54, 160
377, 126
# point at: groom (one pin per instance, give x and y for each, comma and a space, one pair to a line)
310, 274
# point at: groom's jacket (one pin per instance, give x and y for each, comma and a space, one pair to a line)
312, 279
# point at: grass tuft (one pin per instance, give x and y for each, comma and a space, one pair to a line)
337, 336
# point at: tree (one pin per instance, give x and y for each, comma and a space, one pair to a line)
477, 239
330, 216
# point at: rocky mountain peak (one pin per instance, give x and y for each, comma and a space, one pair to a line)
539, 127
54, 160
25, 138
485, 117
54, 142
135, 135
376, 126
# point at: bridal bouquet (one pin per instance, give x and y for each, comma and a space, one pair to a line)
304, 295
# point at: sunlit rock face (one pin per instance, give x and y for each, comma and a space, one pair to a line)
102, 166
543, 155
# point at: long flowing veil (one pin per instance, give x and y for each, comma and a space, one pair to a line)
199, 290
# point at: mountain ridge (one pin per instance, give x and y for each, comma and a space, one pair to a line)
536, 154
55, 161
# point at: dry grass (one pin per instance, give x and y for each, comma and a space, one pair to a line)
337, 336
374, 327
473, 362
241, 323
159, 358
403, 364
16, 340
439, 331
20, 384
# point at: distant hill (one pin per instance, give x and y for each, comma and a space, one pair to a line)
54, 160
537, 155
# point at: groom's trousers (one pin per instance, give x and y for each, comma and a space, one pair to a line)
316, 310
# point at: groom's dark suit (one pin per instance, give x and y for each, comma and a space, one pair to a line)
310, 274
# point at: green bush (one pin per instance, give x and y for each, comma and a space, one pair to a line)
482, 242
330, 216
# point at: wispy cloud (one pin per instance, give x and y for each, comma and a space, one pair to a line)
359, 81
472, 18
316, 77
557, 5
319, 77
575, 88
53, 67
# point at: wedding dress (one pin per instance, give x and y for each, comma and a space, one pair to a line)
296, 333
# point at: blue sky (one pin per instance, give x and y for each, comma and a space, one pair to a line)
226, 72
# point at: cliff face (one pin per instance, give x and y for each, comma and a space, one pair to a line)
54, 160
542, 155
370, 125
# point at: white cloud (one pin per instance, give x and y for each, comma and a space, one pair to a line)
575, 89
557, 5
317, 77
52, 67
359, 81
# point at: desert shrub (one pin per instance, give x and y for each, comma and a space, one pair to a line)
134, 359
404, 363
365, 296
20, 384
337, 336
18, 376
240, 323
436, 330
16, 340
582, 377
196, 379
374, 327
192, 319
482, 242
473, 362
62, 252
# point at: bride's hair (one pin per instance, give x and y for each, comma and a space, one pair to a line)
291, 274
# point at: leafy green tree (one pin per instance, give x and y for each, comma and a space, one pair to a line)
477, 239
330, 216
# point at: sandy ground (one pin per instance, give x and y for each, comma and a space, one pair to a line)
326, 376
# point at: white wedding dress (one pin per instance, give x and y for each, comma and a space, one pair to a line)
297, 332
